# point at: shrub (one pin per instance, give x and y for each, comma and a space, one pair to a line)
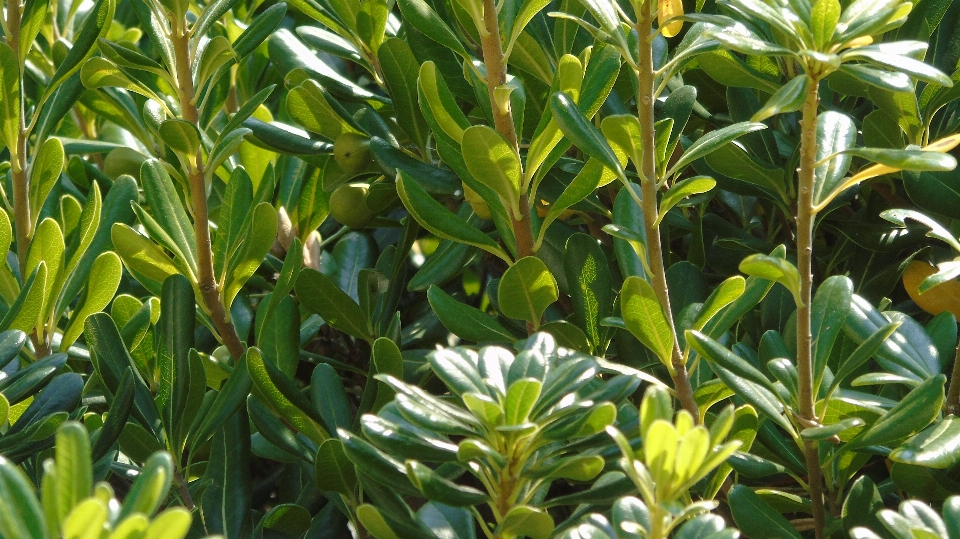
477, 268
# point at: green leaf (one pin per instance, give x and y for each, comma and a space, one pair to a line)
168, 211
229, 400
228, 145
623, 131
262, 26
576, 127
910, 357
590, 284
144, 259
774, 269
128, 57
94, 25
526, 12
831, 305
334, 471
98, 72
151, 487
279, 392
45, 173
526, 520
256, 242
117, 415
436, 488
329, 398
174, 334
47, 246
25, 520
834, 429
400, 69
181, 136
465, 321
373, 521
308, 105
920, 160
788, 98
712, 141
726, 293
111, 360
755, 518
215, 56
899, 63
86, 521
374, 464
913, 413
734, 162
605, 14
421, 16
521, 397
173, 523
403, 441
644, 316
526, 289
319, 294
443, 519
436, 218
102, 283
681, 190
25, 311
492, 161
824, 16
439, 105
937, 446
9, 102
74, 473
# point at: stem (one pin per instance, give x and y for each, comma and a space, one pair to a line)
805, 219
184, 490
23, 221
493, 61
648, 184
209, 289
953, 394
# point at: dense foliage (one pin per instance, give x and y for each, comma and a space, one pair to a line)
411, 269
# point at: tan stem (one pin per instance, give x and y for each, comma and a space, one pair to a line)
23, 220
648, 184
953, 393
496, 69
805, 222
209, 289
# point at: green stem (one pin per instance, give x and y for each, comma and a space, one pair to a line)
645, 102
805, 222
209, 288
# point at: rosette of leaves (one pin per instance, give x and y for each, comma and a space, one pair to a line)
850, 425
510, 427
913, 519
70, 504
675, 455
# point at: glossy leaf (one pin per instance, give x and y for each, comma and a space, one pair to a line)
465, 321
644, 316
526, 290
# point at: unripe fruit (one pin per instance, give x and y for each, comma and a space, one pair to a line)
352, 152
476, 202
348, 205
